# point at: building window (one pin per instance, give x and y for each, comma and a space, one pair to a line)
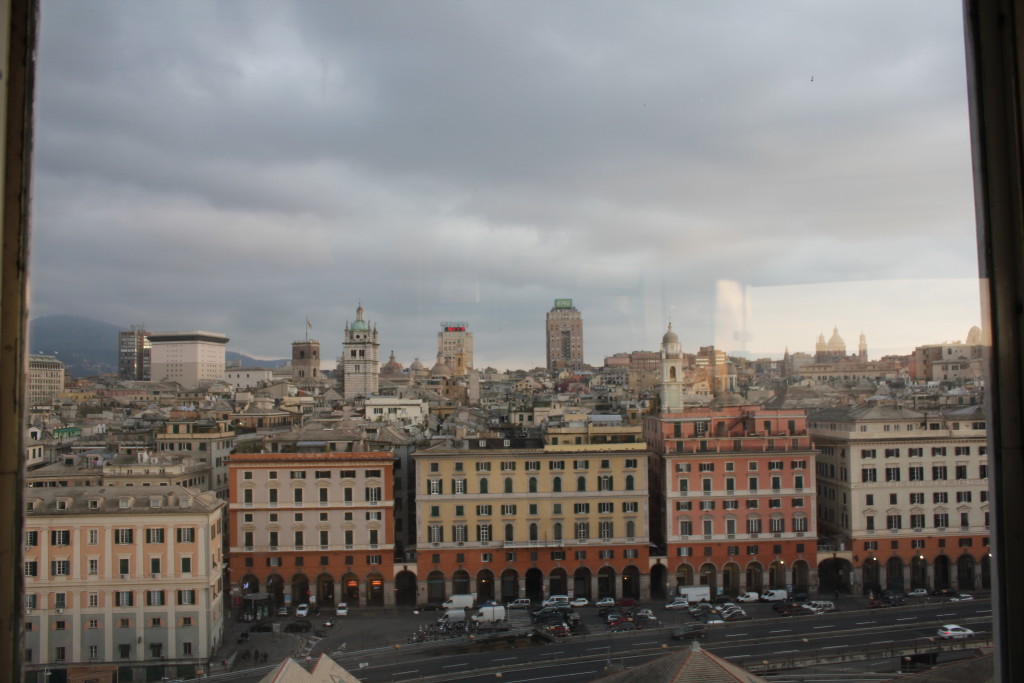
186, 535
186, 597
60, 537
124, 598
124, 536
60, 567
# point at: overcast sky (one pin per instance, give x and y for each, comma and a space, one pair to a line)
754, 172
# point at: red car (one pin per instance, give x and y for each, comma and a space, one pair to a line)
627, 602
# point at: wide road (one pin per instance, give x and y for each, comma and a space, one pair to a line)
588, 655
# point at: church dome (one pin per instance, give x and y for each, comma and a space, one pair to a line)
670, 337
974, 336
360, 323
392, 367
835, 342
417, 365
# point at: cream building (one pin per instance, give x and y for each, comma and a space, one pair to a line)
118, 576
904, 495
189, 358
455, 346
208, 442
45, 379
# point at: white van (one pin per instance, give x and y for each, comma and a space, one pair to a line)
452, 616
749, 596
556, 600
774, 595
520, 603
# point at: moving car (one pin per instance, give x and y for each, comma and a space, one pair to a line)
341, 610
678, 603
579, 602
302, 610
690, 631
954, 632
961, 598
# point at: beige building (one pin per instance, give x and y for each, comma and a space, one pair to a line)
517, 518
45, 380
189, 358
118, 576
208, 442
564, 336
904, 496
455, 346
360, 363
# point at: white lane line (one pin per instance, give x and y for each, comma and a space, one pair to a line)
542, 678
602, 649
451, 666
906, 618
648, 642
734, 635
832, 647
984, 611
881, 642
784, 630
782, 652
861, 623
829, 626
948, 614
504, 659
402, 673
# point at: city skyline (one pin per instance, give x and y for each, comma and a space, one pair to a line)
265, 160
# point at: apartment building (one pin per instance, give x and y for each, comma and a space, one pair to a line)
507, 518
190, 358
733, 489
206, 441
122, 579
45, 379
904, 496
313, 527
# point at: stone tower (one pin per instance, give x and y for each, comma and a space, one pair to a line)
305, 359
360, 366
671, 386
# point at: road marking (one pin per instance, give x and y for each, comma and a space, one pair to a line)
504, 659
402, 673
984, 611
648, 642
542, 678
450, 666
881, 642
734, 635
782, 652
905, 618
829, 626
589, 649
784, 630
948, 614
861, 623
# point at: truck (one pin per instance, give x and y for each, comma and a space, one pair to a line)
694, 593
451, 616
489, 614
459, 601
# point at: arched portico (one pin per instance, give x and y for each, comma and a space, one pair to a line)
777, 574
965, 573
300, 589
835, 575
631, 582
755, 577
606, 582
485, 585
405, 589
534, 584
509, 585
658, 574
436, 592
460, 582
275, 588
375, 590
325, 590
558, 582
894, 574
350, 589
801, 576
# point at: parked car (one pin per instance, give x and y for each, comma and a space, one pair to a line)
579, 602
623, 626
962, 597
943, 592
736, 616
559, 630
341, 610
749, 596
690, 631
954, 632
261, 627
302, 610
282, 611
519, 603
556, 600
800, 596
605, 602
627, 602
300, 626
678, 603
918, 593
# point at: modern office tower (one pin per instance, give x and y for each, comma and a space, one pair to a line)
564, 336
122, 578
45, 379
305, 359
735, 490
189, 358
455, 344
360, 366
315, 527
133, 353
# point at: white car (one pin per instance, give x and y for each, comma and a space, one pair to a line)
605, 602
556, 600
282, 611
749, 596
678, 603
341, 610
302, 610
954, 632
918, 593
962, 597
579, 602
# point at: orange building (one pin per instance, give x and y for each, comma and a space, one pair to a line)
733, 490
312, 527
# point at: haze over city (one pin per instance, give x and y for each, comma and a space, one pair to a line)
238, 167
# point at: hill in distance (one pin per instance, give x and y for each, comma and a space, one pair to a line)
89, 347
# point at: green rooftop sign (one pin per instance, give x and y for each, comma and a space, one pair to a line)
563, 303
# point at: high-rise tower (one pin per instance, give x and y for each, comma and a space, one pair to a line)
360, 366
564, 336
305, 359
455, 344
133, 353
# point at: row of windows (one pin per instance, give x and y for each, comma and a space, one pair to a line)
317, 474
754, 526
939, 473
687, 551
936, 451
371, 494
62, 537
917, 498
273, 517
436, 487
753, 484
940, 520
299, 538
535, 465
485, 532
752, 466
917, 543
125, 598
62, 567
511, 509
751, 504
534, 556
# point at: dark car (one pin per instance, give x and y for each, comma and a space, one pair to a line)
721, 599
261, 627
561, 610
944, 592
623, 626
300, 626
690, 631
800, 596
